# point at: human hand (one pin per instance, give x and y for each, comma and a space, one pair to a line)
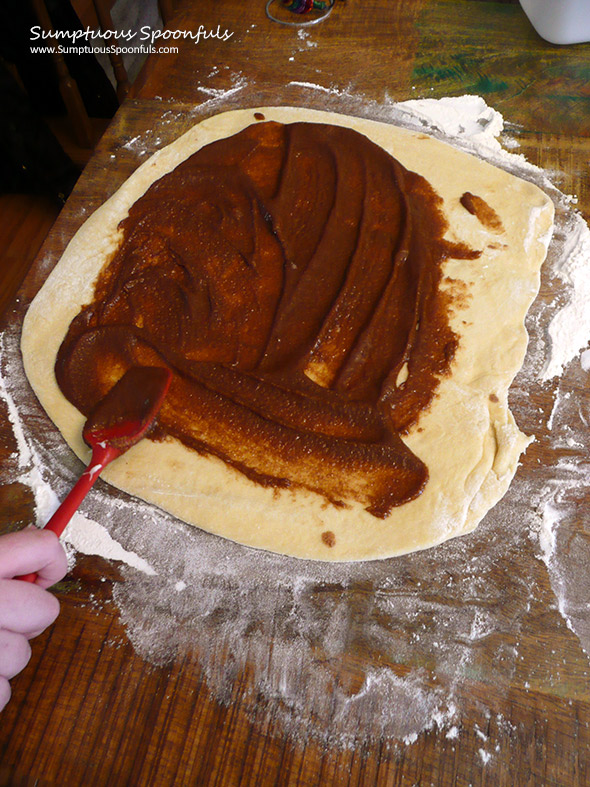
26, 609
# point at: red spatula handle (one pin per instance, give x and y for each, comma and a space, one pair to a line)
102, 455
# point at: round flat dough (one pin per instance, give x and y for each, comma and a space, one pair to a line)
467, 438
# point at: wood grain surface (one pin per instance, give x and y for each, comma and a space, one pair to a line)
89, 710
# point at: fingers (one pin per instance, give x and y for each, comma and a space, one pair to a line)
4, 692
26, 608
33, 550
15, 653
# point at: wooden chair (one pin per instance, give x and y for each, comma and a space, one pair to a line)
68, 87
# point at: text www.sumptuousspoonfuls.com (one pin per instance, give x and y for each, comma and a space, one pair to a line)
117, 41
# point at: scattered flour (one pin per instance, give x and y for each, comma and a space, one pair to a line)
305, 38
485, 756
218, 94
346, 654
133, 142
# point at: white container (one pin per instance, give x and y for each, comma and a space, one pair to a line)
559, 21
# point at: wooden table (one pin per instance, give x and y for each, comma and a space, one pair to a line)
89, 709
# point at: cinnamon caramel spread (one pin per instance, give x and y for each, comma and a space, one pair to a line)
125, 414
479, 208
289, 276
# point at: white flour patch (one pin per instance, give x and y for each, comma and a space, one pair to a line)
350, 654
569, 329
90, 538
466, 118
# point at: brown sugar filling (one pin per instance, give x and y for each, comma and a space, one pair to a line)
485, 213
289, 276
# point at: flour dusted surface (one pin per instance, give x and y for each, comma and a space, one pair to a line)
379, 622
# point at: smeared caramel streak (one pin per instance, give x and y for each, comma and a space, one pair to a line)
485, 213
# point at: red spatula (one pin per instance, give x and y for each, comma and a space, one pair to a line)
117, 422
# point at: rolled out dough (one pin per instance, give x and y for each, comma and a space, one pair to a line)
467, 438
